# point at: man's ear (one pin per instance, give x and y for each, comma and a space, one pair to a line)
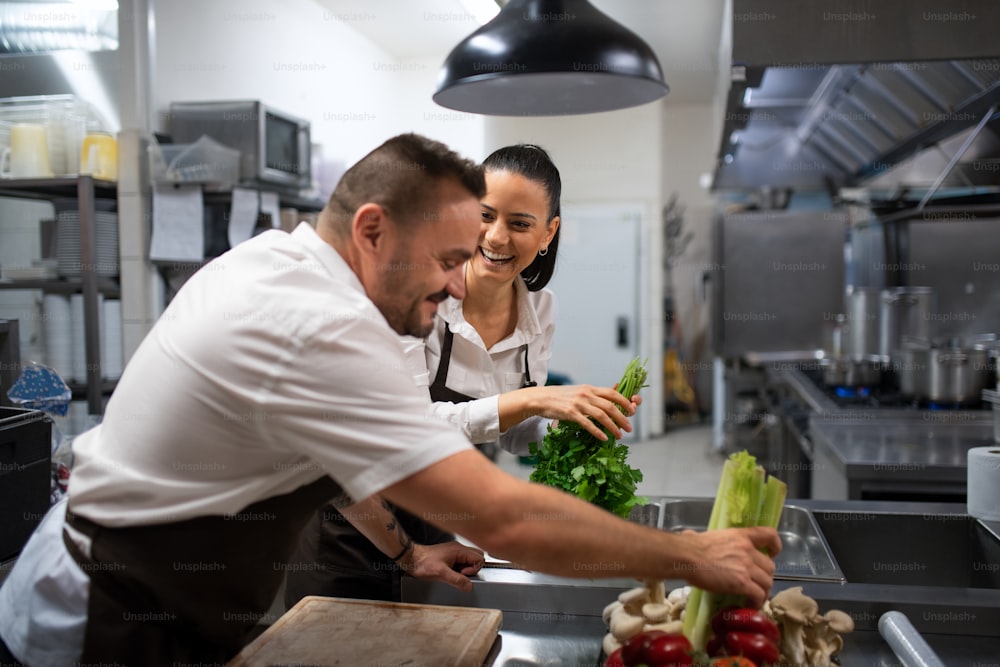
368, 227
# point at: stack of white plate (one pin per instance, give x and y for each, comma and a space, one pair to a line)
58, 331
112, 355
68, 244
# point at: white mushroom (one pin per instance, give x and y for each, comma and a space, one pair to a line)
606, 614
670, 627
624, 625
610, 644
655, 612
657, 592
679, 595
633, 599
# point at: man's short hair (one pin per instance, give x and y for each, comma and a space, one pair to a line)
402, 176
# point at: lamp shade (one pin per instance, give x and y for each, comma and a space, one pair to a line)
549, 58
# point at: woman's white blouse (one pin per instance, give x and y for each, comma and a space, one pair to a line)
476, 371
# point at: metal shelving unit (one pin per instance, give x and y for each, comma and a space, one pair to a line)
86, 190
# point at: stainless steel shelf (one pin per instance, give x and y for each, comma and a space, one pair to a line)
106, 286
85, 189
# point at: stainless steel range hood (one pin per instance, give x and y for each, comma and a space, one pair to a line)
826, 95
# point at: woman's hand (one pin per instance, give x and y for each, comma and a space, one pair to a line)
581, 403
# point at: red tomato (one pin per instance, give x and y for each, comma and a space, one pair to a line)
732, 662
669, 651
745, 620
634, 648
715, 647
615, 659
757, 647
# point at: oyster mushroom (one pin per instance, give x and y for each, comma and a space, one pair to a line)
822, 637
793, 611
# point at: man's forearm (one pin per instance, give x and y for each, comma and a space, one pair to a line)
374, 519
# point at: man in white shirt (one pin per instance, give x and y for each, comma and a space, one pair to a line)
273, 382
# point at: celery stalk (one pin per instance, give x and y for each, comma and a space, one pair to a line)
746, 497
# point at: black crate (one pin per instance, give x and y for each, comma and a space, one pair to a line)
25, 475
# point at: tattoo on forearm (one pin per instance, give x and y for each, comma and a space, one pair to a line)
341, 501
405, 541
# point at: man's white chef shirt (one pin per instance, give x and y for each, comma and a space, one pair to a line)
270, 368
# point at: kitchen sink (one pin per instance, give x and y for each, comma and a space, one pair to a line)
804, 556
942, 550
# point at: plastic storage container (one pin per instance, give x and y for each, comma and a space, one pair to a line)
25, 474
205, 161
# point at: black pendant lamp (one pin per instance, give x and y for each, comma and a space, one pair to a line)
549, 58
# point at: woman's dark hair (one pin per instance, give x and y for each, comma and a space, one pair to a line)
533, 163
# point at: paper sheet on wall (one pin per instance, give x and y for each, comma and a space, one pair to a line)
269, 204
242, 215
178, 231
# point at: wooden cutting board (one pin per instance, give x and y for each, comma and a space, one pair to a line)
338, 631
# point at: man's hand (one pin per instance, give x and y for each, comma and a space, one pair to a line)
731, 561
449, 562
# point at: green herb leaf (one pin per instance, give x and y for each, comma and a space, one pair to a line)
572, 459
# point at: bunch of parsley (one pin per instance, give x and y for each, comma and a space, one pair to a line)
572, 459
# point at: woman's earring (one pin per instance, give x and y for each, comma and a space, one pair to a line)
543, 252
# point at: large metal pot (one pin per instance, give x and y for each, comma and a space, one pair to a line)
861, 325
905, 314
952, 373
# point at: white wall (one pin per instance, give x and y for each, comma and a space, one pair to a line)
612, 157
307, 60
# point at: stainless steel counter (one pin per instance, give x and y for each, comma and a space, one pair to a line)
864, 449
555, 621
855, 456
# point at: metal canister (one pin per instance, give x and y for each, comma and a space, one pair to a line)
905, 314
861, 326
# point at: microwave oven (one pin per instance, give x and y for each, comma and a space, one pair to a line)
275, 147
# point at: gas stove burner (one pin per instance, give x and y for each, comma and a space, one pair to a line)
947, 405
852, 392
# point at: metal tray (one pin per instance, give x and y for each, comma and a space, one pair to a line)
805, 555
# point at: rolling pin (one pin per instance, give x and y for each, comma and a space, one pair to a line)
906, 642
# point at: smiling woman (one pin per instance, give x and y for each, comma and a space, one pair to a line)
485, 364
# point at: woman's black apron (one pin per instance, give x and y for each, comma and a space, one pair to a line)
334, 559
188, 592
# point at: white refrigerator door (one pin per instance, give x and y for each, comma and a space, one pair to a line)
596, 284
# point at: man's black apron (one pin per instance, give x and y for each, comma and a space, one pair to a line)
188, 592
336, 560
